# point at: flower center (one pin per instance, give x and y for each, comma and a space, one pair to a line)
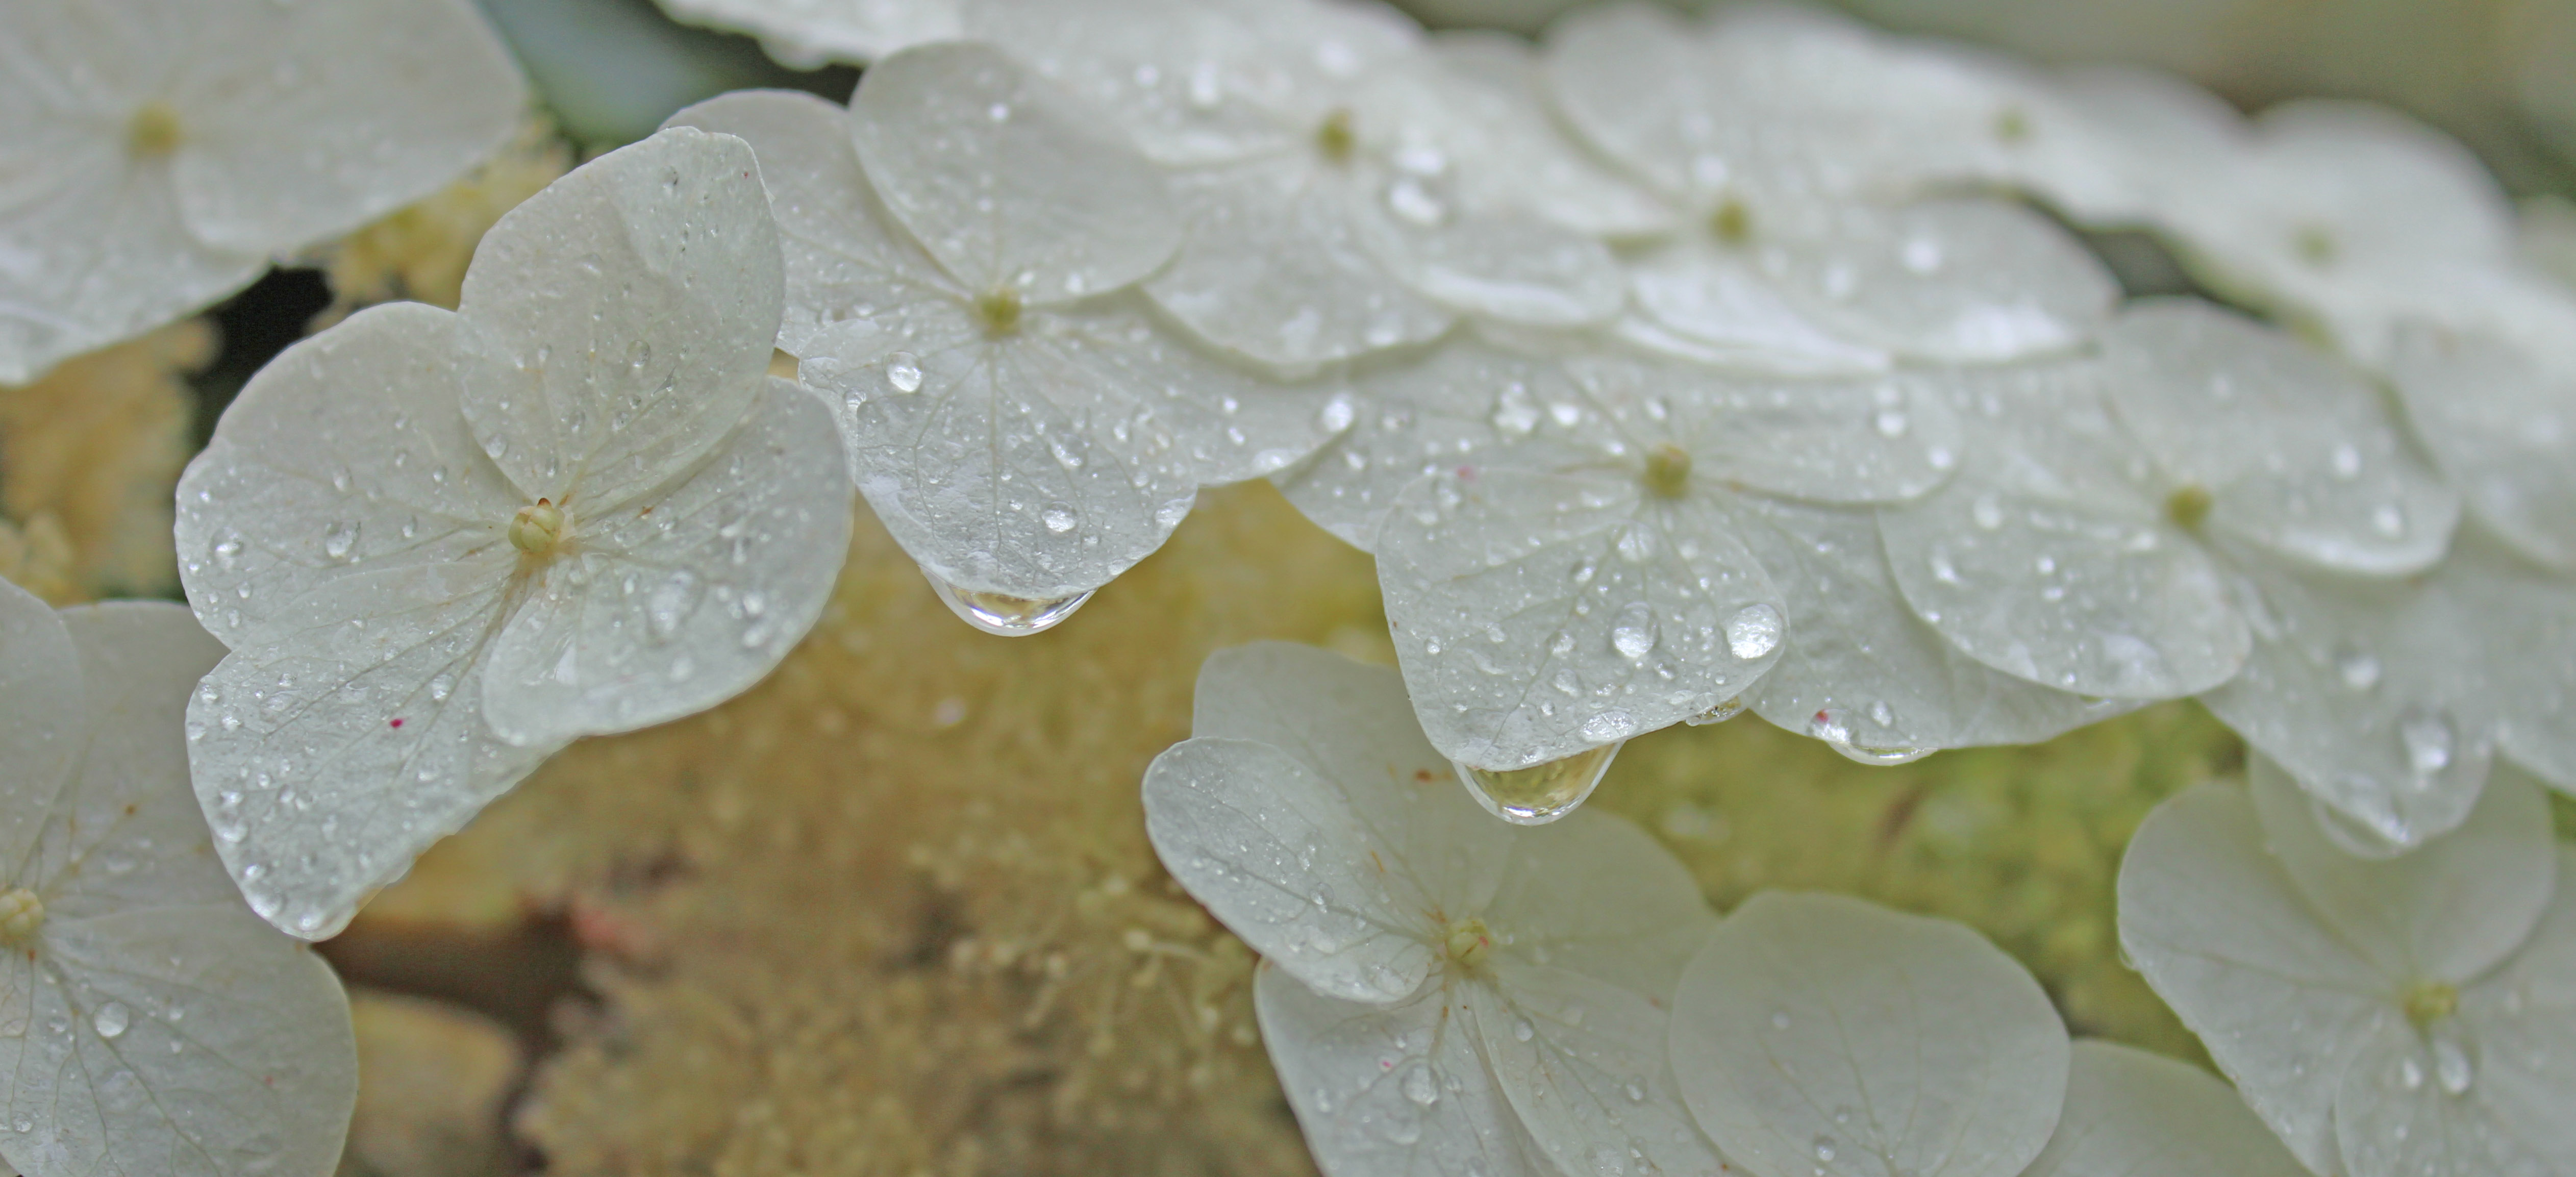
999, 311
1668, 468
153, 131
21, 913
538, 528
2430, 1002
1470, 943
2189, 506
2315, 245
1335, 137
2012, 125
1732, 222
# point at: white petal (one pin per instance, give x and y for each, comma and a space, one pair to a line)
1817, 1032
2524, 621
1474, 101
2219, 931
1502, 264
845, 256
346, 112
1641, 85
1283, 857
332, 754
127, 832
2501, 428
2296, 455
1308, 813
184, 1039
346, 454
684, 598
621, 321
1872, 440
805, 35
1862, 666
2042, 560
1952, 281
2368, 692
1007, 181
1277, 268
1390, 1092
1712, 303
1591, 1082
1045, 462
2133, 1114
44, 718
1538, 614
1199, 82
1593, 896
2445, 911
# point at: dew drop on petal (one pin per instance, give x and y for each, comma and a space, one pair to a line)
339, 539
1059, 517
1540, 793
1419, 1085
1003, 614
1633, 635
2451, 1067
2356, 667
1824, 1148
111, 1019
1754, 631
903, 372
1522, 1030
2428, 739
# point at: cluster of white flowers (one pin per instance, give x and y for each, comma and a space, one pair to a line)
1671, 367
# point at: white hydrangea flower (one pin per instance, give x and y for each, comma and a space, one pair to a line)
442, 545
2134, 1114
149, 1023
2410, 1015
808, 34
1560, 540
2071, 550
2344, 215
1824, 1034
962, 249
2522, 621
2502, 426
1442, 993
161, 152
1326, 213
1800, 249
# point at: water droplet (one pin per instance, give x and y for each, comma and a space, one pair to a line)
670, 604
2356, 667
1059, 517
2410, 1075
2451, 1066
1634, 633
903, 372
1718, 714
1003, 614
2389, 520
1515, 413
1988, 511
1831, 725
1891, 423
1419, 1086
339, 539
1522, 1030
111, 1019
1540, 793
2347, 461
1824, 1148
1754, 631
2428, 739
1413, 202
1338, 413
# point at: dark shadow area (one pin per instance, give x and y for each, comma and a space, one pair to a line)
255, 325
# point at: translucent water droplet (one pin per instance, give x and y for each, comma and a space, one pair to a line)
1824, 1148
1754, 631
1988, 511
2389, 520
1522, 1030
2410, 1075
339, 539
1633, 635
1891, 423
1718, 714
1338, 413
112, 1019
1059, 517
1419, 1086
1516, 414
2356, 667
2428, 739
903, 372
1413, 202
2347, 461
670, 604
1832, 725
1003, 614
1881, 757
2451, 1067
1540, 793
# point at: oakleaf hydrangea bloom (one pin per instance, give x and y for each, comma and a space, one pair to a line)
805, 34
2133, 1114
1325, 214
1823, 1034
1443, 993
2401, 1016
1795, 253
1558, 539
160, 154
443, 545
962, 247
149, 1023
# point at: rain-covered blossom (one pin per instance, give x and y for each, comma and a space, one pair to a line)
2399, 1016
1819, 1034
443, 545
1320, 172
159, 156
962, 246
149, 1023
1568, 544
1443, 993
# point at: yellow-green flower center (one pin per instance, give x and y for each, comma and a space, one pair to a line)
2430, 1002
1668, 468
1470, 944
21, 914
1732, 222
2189, 506
999, 311
1335, 138
154, 130
538, 528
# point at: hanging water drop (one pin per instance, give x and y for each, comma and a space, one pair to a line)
1540, 793
1003, 614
